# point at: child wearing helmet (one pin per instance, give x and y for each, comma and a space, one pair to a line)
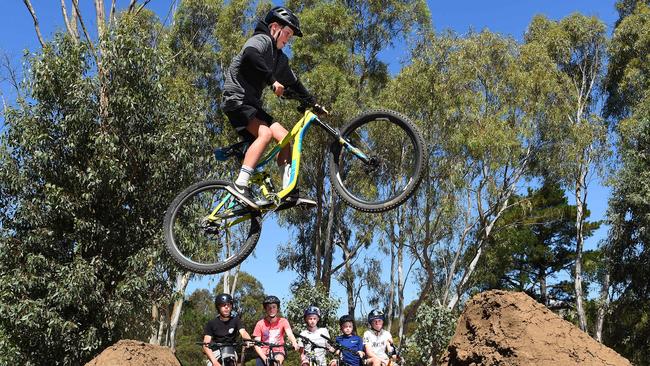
222, 329
313, 333
379, 340
261, 63
352, 341
272, 329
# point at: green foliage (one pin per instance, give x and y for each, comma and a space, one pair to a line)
533, 247
628, 73
435, 325
627, 326
90, 160
198, 309
307, 294
248, 297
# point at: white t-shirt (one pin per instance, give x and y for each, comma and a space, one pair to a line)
378, 342
315, 337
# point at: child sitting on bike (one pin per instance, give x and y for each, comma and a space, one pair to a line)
261, 62
313, 334
272, 329
378, 339
222, 329
351, 341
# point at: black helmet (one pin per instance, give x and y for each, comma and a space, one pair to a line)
312, 310
284, 16
271, 300
345, 319
375, 314
223, 299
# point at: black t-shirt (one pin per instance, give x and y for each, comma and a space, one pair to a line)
223, 331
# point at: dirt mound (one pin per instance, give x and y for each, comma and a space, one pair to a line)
510, 328
135, 353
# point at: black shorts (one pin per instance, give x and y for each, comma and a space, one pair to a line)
240, 117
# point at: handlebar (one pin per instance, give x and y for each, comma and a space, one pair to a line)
313, 344
267, 344
340, 347
217, 345
305, 101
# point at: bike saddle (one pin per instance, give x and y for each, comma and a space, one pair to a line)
237, 150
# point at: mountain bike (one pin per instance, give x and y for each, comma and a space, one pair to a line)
376, 162
312, 359
227, 356
271, 360
398, 360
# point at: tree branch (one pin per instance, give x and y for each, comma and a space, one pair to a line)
28, 4
75, 3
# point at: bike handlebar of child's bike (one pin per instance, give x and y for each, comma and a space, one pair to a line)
313, 344
260, 343
216, 345
339, 346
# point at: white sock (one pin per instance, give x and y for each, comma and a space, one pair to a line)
286, 175
244, 176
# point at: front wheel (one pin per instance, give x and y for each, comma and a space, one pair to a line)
208, 231
379, 162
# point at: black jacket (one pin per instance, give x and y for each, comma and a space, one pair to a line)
258, 65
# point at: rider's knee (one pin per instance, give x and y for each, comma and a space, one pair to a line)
264, 134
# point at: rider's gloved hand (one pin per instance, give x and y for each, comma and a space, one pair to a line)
320, 110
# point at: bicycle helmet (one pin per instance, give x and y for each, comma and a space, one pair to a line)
312, 310
271, 300
375, 314
223, 299
345, 319
284, 16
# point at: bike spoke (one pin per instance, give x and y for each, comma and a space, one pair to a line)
392, 161
210, 225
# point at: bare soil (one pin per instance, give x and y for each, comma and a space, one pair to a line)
135, 353
510, 328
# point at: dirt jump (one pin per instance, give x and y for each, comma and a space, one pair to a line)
135, 353
510, 328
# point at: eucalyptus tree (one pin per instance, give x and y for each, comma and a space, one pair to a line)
578, 145
90, 161
628, 107
482, 100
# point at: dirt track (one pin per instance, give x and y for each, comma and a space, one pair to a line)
510, 328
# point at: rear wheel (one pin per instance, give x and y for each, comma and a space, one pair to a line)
208, 231
388, 165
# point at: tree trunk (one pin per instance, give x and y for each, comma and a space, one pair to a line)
579, 195
602, 307
543, 290
349, 288
181, 284
391, 292
29, 6
328, 249
155, 318
400, 287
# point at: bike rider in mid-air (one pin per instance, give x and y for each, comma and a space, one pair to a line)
222, 329
261, 63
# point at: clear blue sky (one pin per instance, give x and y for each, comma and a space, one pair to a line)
510, 17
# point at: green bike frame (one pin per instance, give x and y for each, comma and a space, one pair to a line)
260, 178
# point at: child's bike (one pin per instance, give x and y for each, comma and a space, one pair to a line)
376, 163
227, 356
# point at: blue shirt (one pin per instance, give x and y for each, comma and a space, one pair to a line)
353, 342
